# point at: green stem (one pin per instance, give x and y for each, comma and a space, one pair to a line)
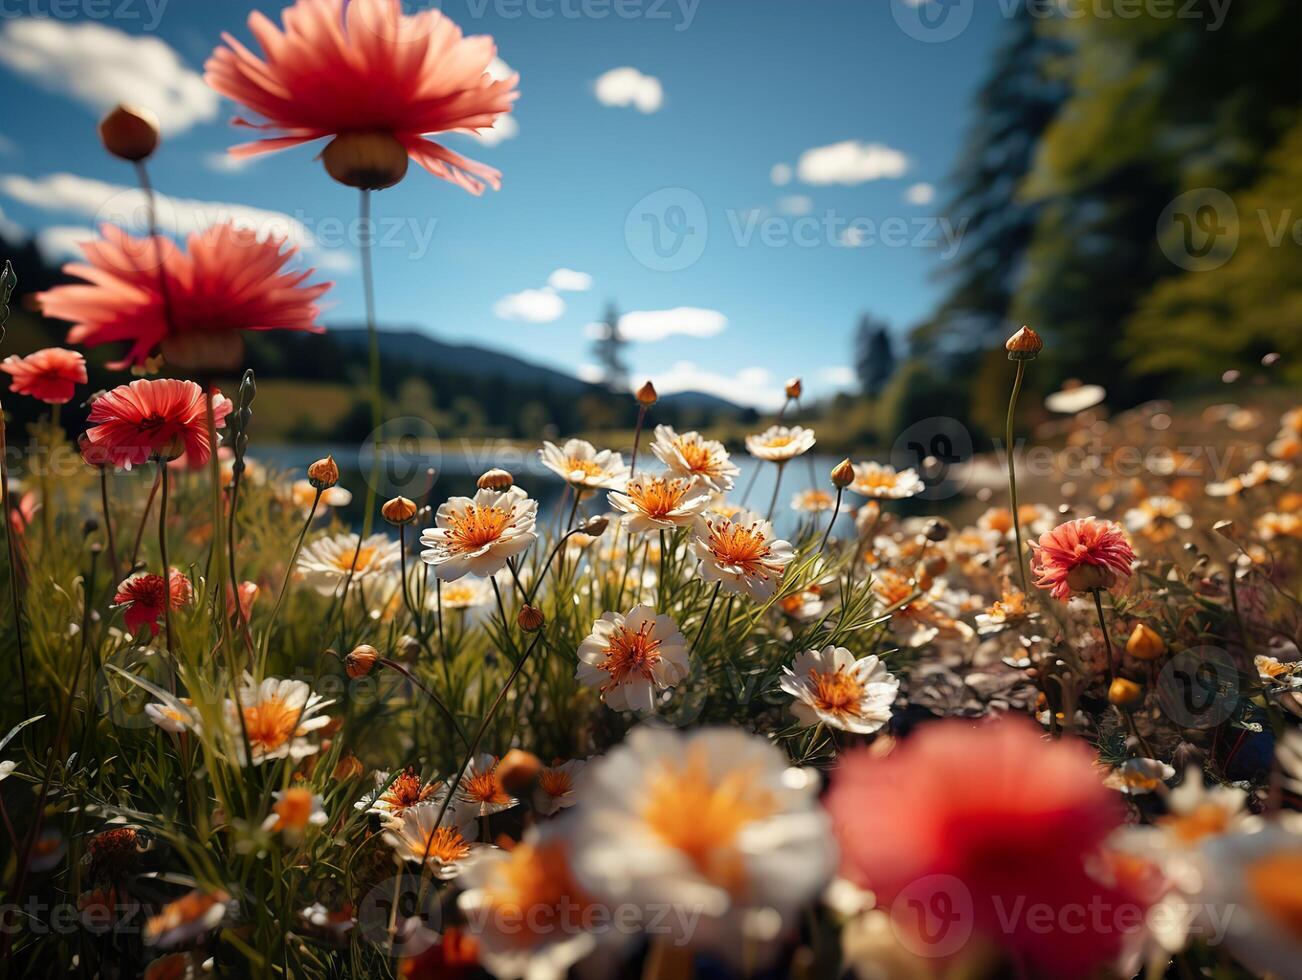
777, 486
1012, 472
830, 524
15, 596
293, 560
162, 550
373, 334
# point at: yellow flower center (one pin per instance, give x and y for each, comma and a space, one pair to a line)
630, 653
1205, 820
741, 545
293, 809
658, 496
476, 527
703, 815
533, 880
587, 467
355, 559
836, 692
696, 454
879, 480
1276, 883
270, 724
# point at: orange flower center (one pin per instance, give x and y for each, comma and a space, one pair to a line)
294, 809
485, 787
270, 724
555, 782
355, 559
443, 844
1276, 883
657, 497
476, 527
879, 480
740, 545
702, 815
779, 442
630, 653
836, 692
999, 519
1205, 820
533, 880
406, 791
698, 457
587, 467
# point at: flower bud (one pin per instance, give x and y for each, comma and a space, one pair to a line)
936, 530
361, 661
370, 161
323, 474
596, 527
517, 770
129, 132
399, 510
1125, 693
794, 388
496, 479
1024, 345
531, 619
646, 395
1089, 578
842, 474
1144, 643
348, 767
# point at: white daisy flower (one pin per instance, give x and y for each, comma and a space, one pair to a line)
831, 687
477, 535
580, 465
393, 795
880, 481
301, 493
481, 787
659, 503
1158, 518
813, 501
172, 714
293, 811
466, 593
278, 715
325, 563
779, 443
187, 918
743, 553
692, 456
556, 785
1136, 777
442, 848
629, 659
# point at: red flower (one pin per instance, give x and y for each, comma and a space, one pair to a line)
353, 67
50, 375
992, 830
151, 419
142, 596
1080, 556
229, 281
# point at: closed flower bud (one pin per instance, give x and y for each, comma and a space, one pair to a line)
323, 474
517, 770
348, 767
129, 133
370, 161
795, 388
1088, 578
496, 479
1125, 693
399, 510
936, 530
1024, 345
361, 661
531, 619
596, 527
842, 474
646, 395
1144, 643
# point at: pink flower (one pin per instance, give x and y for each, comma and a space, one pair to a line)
142, 596
1080, 556
228, 281
354, 67
992, 828
50, 375
151, 419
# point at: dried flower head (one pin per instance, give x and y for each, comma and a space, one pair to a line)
129, 132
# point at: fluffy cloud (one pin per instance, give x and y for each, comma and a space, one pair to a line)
629, 87
920, 194
530, 306
752, 386
648, 326
569, 281
850, 162
839, 376
796, 204
224, 163
101, 66
780, 174
506, 126
58, 243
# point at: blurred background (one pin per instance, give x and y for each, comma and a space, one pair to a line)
718, 196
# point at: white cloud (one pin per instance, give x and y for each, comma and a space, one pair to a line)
592, 373
780, 174
629, 87
117, 204
648, 326
224, 163
796, 204
850, 162
530, 306
61, 242
752, 386
569, 281
852, 236
12, 230
504, 128
101, 66
840, 375
920, 194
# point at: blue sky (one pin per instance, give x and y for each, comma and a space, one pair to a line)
775, 149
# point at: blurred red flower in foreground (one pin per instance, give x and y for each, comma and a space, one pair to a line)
142, 597
150, 420
1080, 556
228, 281
366, 69
51, 374
986, 832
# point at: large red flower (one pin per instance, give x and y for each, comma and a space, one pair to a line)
1081, 555
152, 419
229, 280
343, 67
142, 597
986, 832
51, 374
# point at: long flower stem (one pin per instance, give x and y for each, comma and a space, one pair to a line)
1012, 472
15, 593
700, 632
373, 335
289, 571
144, 519
110, 538
162, 550
1107, 640
832, 523
777, 486
637, 438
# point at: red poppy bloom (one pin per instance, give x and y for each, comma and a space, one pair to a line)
142, 597
991, 831
51, 374
354, 67
1081, 555
228, 281
152, 419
